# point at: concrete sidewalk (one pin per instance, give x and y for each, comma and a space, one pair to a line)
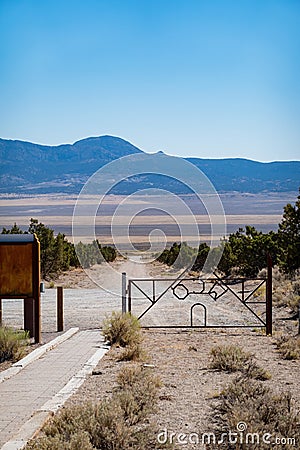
27, 398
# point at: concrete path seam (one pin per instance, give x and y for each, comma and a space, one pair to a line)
30, 428
36, 354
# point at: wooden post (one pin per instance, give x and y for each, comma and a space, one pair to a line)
29, 316
60, 309
124, 296
269, 289
36, 278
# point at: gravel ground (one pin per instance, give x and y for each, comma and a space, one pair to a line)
181, 359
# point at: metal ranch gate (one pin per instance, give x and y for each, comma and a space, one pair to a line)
190, 302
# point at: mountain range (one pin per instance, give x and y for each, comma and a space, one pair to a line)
28, 168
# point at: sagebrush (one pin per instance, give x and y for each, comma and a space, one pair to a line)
137, 392
13, 344
232, 358
289, 346
122, 329
118, 423
133, 352
262, 411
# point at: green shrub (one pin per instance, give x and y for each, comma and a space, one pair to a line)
122, 329
57, 253
94, 253
179, 255
12, 344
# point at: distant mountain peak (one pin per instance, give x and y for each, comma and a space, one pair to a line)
104, 139
34, 168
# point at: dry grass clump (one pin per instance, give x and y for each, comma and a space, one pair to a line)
124, 330
13, 344
289, 346
251, 403
121, 329
233, 358
254, 371
118, 423
85, 427
230, 358
133, 352
137, 392
260, 293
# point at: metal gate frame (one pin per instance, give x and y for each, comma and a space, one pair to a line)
223, 283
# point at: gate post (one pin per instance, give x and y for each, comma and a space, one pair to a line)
124, 306
36, 279
129, 296
60, 308
29, 317
269, 288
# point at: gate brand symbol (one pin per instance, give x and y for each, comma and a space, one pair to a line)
217, 290
181, 291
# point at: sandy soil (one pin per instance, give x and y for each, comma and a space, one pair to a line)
181, 359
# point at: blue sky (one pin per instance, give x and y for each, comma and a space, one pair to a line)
203, 78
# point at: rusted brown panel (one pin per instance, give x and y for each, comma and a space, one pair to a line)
16, 270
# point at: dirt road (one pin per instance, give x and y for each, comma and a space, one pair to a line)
92, 294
